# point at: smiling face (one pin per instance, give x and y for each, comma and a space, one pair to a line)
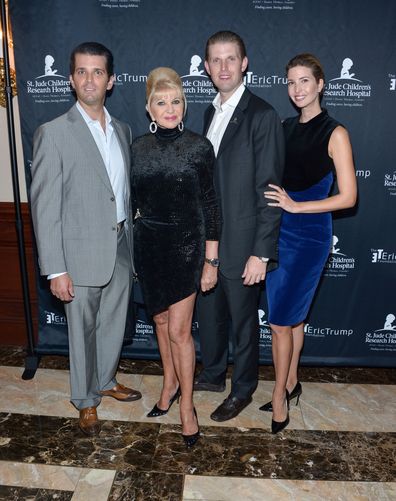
226, 66
90, 79
166, 107
303, 88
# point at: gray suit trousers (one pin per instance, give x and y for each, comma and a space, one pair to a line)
96, 323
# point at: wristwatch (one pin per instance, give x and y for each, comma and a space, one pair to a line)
213, 262
264, 259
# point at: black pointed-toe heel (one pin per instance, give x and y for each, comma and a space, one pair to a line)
295, 393
277, 426
156, 411
191, 440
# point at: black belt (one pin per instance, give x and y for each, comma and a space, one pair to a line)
120, 226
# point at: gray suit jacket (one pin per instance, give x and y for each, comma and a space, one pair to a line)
72, 201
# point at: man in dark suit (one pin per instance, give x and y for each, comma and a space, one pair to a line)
247, 137
81, 210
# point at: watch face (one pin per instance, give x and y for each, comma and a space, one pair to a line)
214, 262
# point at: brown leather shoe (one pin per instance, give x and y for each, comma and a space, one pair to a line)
121, 392
88, 422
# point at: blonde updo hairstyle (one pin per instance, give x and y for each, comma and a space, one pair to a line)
162, 79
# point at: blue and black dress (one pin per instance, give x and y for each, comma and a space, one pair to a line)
305, 239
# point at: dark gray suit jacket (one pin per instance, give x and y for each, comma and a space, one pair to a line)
250, 156
72, 201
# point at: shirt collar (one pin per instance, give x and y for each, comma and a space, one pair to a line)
231, 101
88, 119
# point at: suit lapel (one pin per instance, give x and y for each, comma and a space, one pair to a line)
232, 127
80, 130
235, 122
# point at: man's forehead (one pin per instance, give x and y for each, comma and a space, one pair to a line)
90, 60
224, 47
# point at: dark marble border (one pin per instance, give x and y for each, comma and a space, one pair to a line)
10, 493
15, 356
141, 449
144, 486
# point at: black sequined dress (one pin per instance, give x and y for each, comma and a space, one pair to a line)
176, 211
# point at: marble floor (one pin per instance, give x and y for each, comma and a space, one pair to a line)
340, 444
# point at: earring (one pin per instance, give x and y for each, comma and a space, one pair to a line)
180, 126
153, 127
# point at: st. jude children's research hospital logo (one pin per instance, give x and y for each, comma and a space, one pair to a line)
338, 263
346, 90
51, 86
197, 86
265, 330
383, 339
390, 182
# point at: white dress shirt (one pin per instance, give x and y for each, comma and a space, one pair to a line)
222, 117
110, 150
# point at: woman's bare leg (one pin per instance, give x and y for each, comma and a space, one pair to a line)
183, 355
282, 348
298, 342
170, 382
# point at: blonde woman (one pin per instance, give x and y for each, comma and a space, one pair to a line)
176, 235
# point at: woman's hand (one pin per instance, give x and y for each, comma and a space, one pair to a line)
281, 199
208, 277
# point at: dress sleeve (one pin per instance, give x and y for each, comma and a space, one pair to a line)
210, 204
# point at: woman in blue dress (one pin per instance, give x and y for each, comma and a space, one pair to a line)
317, 150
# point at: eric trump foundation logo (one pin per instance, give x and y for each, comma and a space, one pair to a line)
50, 86
54, 318
383, 256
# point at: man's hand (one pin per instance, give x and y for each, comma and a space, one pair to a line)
254, 272
208, 277
62, 287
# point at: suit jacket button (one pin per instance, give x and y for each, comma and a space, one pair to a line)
114, 228
112, 199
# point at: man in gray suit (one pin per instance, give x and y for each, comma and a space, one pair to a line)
80, 200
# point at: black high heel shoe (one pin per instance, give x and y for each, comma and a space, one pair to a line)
295, 393
156, 411
277, 426
191, 440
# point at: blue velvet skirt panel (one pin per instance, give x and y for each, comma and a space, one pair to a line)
304, 246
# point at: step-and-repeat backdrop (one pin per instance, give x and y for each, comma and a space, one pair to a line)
352, 321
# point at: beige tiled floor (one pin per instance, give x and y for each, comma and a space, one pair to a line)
243, 489
323, 406
84, 482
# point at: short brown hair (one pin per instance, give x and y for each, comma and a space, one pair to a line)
92, 49
309, 61
163, 78
225, 37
